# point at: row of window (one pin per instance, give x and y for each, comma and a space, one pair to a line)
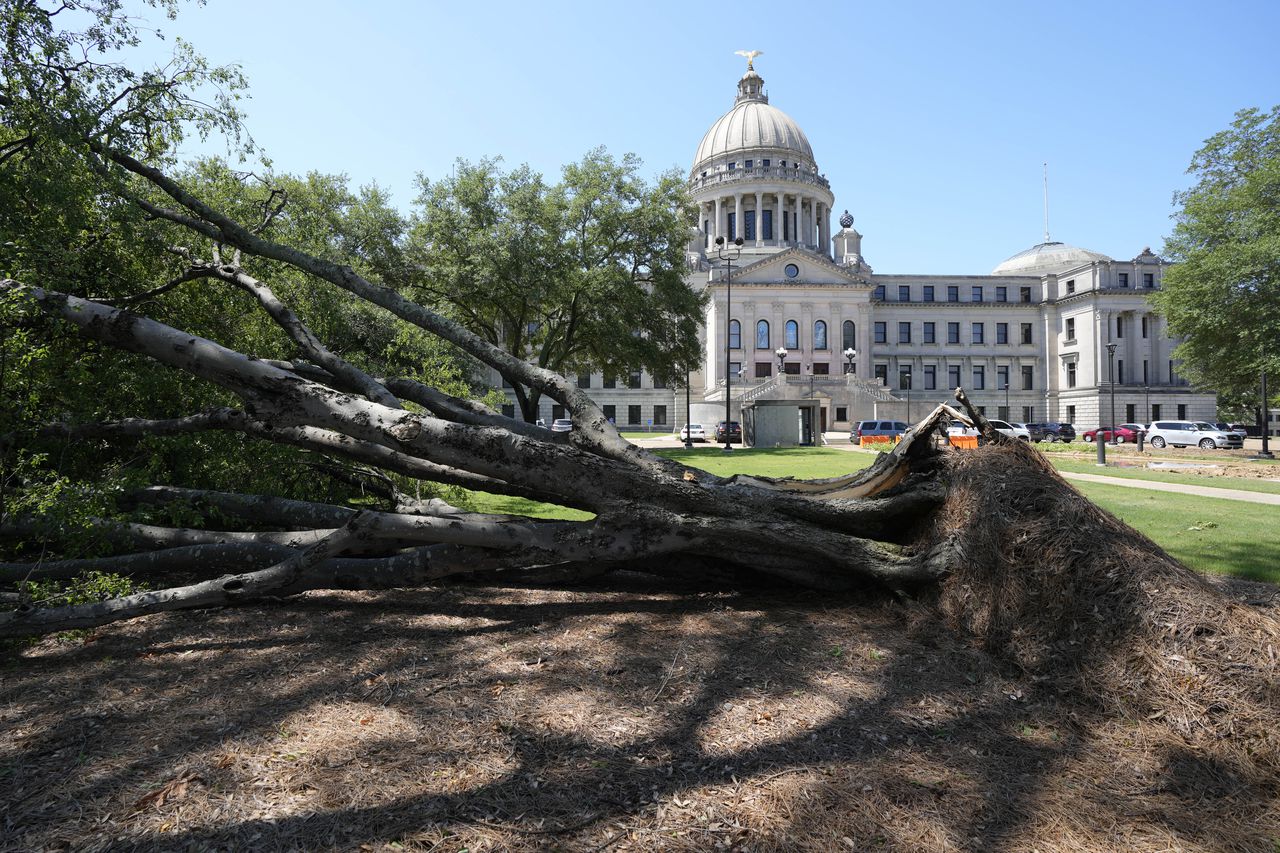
979, 376
635, 414
1122, 280
929, 333
633, 380
1070, 369
928, 293
791, 335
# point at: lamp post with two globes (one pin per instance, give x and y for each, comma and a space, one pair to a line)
728, 255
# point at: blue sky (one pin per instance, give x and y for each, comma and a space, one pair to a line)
931, 120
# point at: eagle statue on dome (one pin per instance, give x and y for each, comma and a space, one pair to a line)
750, 55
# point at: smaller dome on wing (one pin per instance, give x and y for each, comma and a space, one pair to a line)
1045, 258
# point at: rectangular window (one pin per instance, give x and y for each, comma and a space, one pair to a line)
975, 295
822, 368
633, 381
733, 222
1144, 326
979, 378
1182, 411
879, 292
765, 162
1028, 377
557, 412
1148, 279
1146, 372
764, 369
953, 293
633, 415
1155, 412
880, 333
508, 410
904, 333
977, 333
904, 293
1071, 328
953, 376
791, 368
930, 377
659, 383
1002, 377
1024, 294
882, 373
611, 414
584, 380
659, 415
1123, 281
735, 369
953, 333
1002, 294
904, 377
767, 224
608, 382
1071, 414
750, 163
1119, 327
1002, 333
1071, 374
930, 333
1028, 413
1026, 333
1071, 286
928, 293
749, 220
1130, 413
842, 413
1002, 412
1120, 370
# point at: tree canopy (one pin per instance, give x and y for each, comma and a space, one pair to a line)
586, 274
1223, 293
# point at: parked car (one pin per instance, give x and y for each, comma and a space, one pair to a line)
1185, 433
960, 428
1017, 431
1237, 428
1136, 429
1104, 433
1035, 431
734, 432
693, 432
867, 429
1057, 431
562, 425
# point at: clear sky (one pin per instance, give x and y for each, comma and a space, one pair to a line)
930, 119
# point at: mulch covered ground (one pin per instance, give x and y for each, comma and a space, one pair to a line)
615, 717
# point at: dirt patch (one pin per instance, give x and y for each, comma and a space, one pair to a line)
614, 717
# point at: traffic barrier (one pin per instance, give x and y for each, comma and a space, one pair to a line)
964, 442
880, 439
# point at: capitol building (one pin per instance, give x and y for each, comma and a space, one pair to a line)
803, 328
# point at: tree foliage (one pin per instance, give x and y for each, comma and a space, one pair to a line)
586, 274
1223, 294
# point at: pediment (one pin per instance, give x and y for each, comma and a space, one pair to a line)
809, 269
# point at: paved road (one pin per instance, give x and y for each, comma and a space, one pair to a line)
1180, 488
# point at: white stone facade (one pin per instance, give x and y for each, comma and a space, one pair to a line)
1033, 335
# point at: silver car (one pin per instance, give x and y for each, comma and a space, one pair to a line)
1186, 433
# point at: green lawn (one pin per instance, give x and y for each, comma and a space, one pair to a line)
634, 436
1208, 534
1081, 467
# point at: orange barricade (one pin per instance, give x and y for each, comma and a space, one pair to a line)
880, 439
964, 442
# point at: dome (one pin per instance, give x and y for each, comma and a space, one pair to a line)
752, 125
1047, 257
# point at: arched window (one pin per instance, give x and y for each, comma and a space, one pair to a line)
793, 335
849, 335
735, 335
820, 334
762, 334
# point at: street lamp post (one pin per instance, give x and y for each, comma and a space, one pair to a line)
850, 354
1146, 402
907, 376
728, 256
1266, 420
688, 434
1008, 416
810, 381
1111, 380
781, 353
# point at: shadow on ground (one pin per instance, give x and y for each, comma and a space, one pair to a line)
618, 716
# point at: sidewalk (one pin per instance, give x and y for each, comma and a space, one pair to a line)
1180, 488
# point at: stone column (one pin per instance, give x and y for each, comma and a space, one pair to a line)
801, 233
777, 219
719, 226
759, 218
737, 216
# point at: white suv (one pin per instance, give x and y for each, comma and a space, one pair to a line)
1185, 433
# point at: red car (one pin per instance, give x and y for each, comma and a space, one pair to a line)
1123, 434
